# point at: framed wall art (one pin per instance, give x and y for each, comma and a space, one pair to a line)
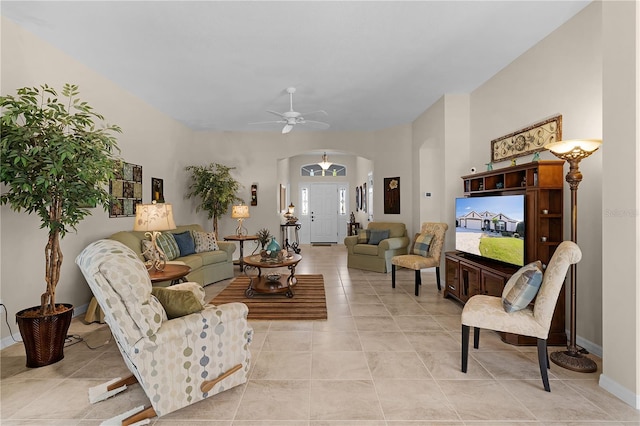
157, 190
526, 141
392, 195
126, 187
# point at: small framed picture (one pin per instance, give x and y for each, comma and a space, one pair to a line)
157, 190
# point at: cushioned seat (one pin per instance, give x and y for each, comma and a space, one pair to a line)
375, 255
490, 312
179, 361
428, 259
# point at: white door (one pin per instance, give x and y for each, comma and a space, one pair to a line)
323, 212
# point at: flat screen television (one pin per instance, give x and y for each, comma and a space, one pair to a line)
491, 227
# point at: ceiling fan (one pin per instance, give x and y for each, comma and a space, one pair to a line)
291, 117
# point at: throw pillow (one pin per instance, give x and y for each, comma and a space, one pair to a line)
205, 241
363, 236
168, 245
149, 251
177, 302
185, 243
421, 244
522, 287
377, 235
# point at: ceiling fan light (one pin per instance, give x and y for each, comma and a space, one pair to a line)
287, 128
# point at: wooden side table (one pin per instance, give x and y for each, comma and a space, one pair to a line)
171, 272
241, 239
284, 236
352, 228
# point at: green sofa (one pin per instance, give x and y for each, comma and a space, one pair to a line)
206, 267
377, 258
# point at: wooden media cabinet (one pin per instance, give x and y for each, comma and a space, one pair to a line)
542, 183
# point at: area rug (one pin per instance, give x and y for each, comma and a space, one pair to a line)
308, 302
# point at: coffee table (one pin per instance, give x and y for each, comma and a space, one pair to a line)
271, 283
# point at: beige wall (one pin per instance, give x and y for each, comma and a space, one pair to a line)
621, 201
149, 138
562, 74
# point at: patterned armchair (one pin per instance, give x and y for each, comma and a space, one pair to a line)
177, 362
428, 259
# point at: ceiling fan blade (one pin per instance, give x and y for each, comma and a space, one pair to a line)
279, 114
316, 124
287, 128
320, 111
269, 122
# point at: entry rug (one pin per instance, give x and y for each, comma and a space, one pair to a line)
308, 303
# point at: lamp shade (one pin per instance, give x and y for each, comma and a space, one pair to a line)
325, 164
154, 217
291, 209
240, 212
574, 149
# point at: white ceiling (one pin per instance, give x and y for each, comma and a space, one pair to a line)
220, 65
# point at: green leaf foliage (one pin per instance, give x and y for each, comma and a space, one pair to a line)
215, 187
55, 161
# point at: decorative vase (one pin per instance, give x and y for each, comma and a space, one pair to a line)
273, 247
44, 336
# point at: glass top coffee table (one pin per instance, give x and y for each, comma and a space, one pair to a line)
270, 282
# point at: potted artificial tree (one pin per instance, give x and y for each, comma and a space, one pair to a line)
216, 188
57, 164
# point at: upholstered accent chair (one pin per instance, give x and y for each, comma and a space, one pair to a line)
422, 255
177, 362
488, 312
367, 251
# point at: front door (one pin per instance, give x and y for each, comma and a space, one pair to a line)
323, 211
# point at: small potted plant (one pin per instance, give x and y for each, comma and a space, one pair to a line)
264, 236
57, 163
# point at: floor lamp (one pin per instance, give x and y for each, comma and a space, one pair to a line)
573, 151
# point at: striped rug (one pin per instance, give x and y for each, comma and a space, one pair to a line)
308, 303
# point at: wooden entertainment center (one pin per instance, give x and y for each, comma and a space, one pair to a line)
542, 183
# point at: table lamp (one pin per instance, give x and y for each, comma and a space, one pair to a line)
573, 151
153, 218
240, 212
289, 214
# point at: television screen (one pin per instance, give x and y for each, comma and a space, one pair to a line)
491, 227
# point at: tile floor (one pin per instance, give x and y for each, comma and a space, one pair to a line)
384, 357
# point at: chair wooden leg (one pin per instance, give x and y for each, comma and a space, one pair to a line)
147, 413
544, 363
393, 276
465, 347
476, 337
418, 282
438, 277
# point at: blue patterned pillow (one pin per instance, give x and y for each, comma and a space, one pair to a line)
185, 243
377, 235
168, 245
421, 244
522, 287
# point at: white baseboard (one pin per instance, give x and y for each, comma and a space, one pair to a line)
619, 391
9, 340
590, 346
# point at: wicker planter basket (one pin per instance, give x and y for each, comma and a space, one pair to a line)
44, 336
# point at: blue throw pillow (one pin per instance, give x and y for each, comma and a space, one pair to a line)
377, 235
522, 287
185, 243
